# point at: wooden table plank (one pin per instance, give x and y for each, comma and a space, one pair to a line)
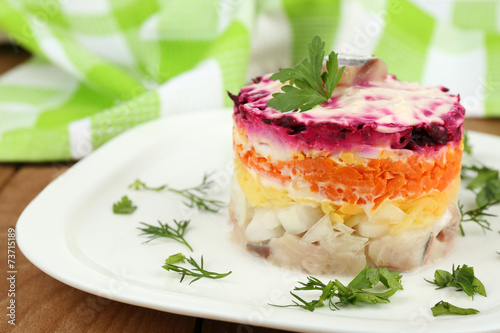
11, 56
6, 172
214, 326
490, 126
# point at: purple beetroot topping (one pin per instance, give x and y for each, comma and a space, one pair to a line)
334, 137
322, 136
419, 131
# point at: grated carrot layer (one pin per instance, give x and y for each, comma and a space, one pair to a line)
373, 181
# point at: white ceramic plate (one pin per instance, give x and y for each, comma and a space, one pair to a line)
70, 232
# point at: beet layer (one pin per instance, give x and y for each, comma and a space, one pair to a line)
252, 113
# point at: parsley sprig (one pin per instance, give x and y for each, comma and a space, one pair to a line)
124, 206
198, 271
307, 86
164, 230
358, 290
462, 278
195, 196
486, 185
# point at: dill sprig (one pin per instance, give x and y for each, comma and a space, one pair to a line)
164, 230
195, 196
197, 271
476, 215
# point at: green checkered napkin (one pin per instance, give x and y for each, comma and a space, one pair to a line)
100, 67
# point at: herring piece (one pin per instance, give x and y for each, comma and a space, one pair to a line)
360, 70
414, 247
342, 252
401, 252
261, 249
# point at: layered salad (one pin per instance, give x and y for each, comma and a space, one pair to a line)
370, 176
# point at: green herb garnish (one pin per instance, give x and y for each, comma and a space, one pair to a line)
476, 215
462, 278
445, 308
175, 259
358, 290
196, 196
139, 185
164, 230
486, 185
307, 86
124, 206
198, 271
485, 180
467, 145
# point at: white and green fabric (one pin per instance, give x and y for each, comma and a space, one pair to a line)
100, 67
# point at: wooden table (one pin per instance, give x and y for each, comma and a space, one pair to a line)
44, 304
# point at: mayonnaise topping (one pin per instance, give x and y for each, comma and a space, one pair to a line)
389, 105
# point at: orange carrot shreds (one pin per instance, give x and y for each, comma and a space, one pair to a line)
259, 163
372, 181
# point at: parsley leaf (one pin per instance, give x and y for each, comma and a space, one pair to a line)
483, 176
462, 278
124, 206
307, 86
332, 75
489, 195
177, 258
358, 290
295, 98
444, 308
370, 276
